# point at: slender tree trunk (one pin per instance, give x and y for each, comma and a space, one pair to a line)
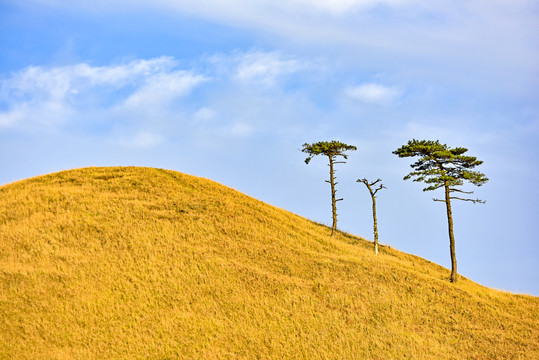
454, 275
373, 197
333, 197
375, 222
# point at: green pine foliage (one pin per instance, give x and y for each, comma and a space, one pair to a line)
331, 149
439, 165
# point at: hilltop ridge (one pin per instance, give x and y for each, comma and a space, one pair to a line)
129, 262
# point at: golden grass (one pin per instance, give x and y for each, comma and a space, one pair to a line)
142, 263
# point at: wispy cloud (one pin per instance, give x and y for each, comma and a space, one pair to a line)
58, 82
240, 94
496, 30
373, 93
477, 43
40, 96
162, 88
264, 67
340, 7
256, 67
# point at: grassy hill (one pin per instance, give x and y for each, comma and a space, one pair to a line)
126, 263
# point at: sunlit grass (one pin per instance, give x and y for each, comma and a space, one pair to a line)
110, 263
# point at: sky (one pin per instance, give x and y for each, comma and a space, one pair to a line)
230, 90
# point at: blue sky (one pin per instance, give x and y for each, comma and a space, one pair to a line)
230, 90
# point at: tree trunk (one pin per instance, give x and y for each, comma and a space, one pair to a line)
454, 275
333, 198
375, 222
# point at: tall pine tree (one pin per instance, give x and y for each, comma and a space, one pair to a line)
331, 149
439, 166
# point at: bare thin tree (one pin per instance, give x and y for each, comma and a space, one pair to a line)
373, 189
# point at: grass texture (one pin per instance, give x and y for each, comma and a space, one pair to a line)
143, 263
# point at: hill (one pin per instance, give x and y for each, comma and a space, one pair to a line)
126, 263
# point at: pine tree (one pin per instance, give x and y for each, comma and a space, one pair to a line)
331, 149
439, 166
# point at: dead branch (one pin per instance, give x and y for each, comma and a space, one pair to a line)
475, 201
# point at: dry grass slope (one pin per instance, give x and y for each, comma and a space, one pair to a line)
142, 263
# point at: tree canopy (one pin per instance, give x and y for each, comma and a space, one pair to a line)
329, 148
439, 165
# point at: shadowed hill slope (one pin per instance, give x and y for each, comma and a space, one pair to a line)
110, 263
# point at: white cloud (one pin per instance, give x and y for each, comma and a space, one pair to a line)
339, 7
497, 37
58, 82
264, 67
157, 96
39, 96
162, 88
10, 118
228, 7
119, 75
257, 67
373, 93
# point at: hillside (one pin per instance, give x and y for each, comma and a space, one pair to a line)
125, 263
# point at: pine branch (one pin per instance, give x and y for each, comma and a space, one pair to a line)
460, 191
378, 188
475, 201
